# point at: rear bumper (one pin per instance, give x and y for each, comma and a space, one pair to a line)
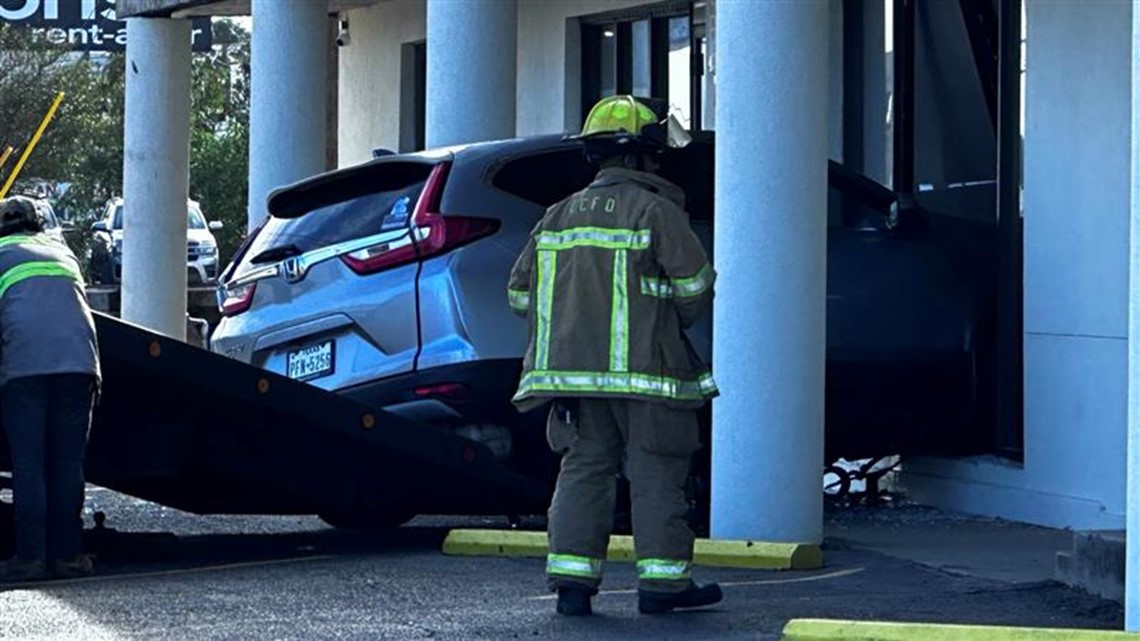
485, 400
910, 404
203, 271
487, 388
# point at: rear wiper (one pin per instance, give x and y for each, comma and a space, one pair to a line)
276, 253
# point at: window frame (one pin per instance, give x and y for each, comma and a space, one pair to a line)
413, 96
621, 22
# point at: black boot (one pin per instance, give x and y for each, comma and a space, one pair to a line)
574, 601
694, 596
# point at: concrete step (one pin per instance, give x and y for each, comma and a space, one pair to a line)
1095, 564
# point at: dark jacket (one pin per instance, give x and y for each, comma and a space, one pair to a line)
45, 323
608, 279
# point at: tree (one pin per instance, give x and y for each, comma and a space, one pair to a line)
89, 136
219, 135
83, 147
85, 138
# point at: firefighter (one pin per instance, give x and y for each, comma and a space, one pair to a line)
608, 280
49, 377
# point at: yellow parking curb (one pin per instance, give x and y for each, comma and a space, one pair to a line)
833, 630
706, 552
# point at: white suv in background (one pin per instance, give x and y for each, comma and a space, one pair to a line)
105, 263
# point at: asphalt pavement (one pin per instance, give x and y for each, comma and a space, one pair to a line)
164, 574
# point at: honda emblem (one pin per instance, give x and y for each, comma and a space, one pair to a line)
292, 270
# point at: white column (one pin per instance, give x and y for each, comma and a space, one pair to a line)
471, 70
1132, 562
770, 256
287, 119
1076, 275
156, 174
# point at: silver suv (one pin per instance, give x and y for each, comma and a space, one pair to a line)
387, 282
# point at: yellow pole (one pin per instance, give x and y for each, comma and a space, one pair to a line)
4, 156
31, 145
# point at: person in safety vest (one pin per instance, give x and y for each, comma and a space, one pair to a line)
49, 377
607, 281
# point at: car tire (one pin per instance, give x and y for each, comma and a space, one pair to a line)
368, 521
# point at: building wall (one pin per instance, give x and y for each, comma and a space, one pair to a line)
549, 67
369, 104
550, 62
1076, 206
548, 89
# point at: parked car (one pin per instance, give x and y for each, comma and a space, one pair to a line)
52, 226
386, 282
51, 221
105, 262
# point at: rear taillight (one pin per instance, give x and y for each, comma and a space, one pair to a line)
454, 391
237, 299
431, 233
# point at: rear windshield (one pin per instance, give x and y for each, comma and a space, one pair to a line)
337, 222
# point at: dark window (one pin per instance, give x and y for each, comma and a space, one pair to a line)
608, 61
337, 214
549, 177
640, 58
656, 51
545, 178
691, 169
413, 96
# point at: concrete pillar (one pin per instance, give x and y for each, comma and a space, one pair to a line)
1076, 268
771, 217
471, 70
156, 174
1132, 562
288, 96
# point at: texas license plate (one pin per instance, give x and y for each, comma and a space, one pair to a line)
311, 361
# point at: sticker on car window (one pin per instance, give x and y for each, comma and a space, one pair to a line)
397, 216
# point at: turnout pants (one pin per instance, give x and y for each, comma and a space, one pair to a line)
656, 444
46, 419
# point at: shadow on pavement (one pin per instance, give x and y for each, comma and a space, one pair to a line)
131, 553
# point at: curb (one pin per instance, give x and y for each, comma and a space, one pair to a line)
837, 630
709, 553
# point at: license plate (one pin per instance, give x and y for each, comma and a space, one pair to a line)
311, 361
